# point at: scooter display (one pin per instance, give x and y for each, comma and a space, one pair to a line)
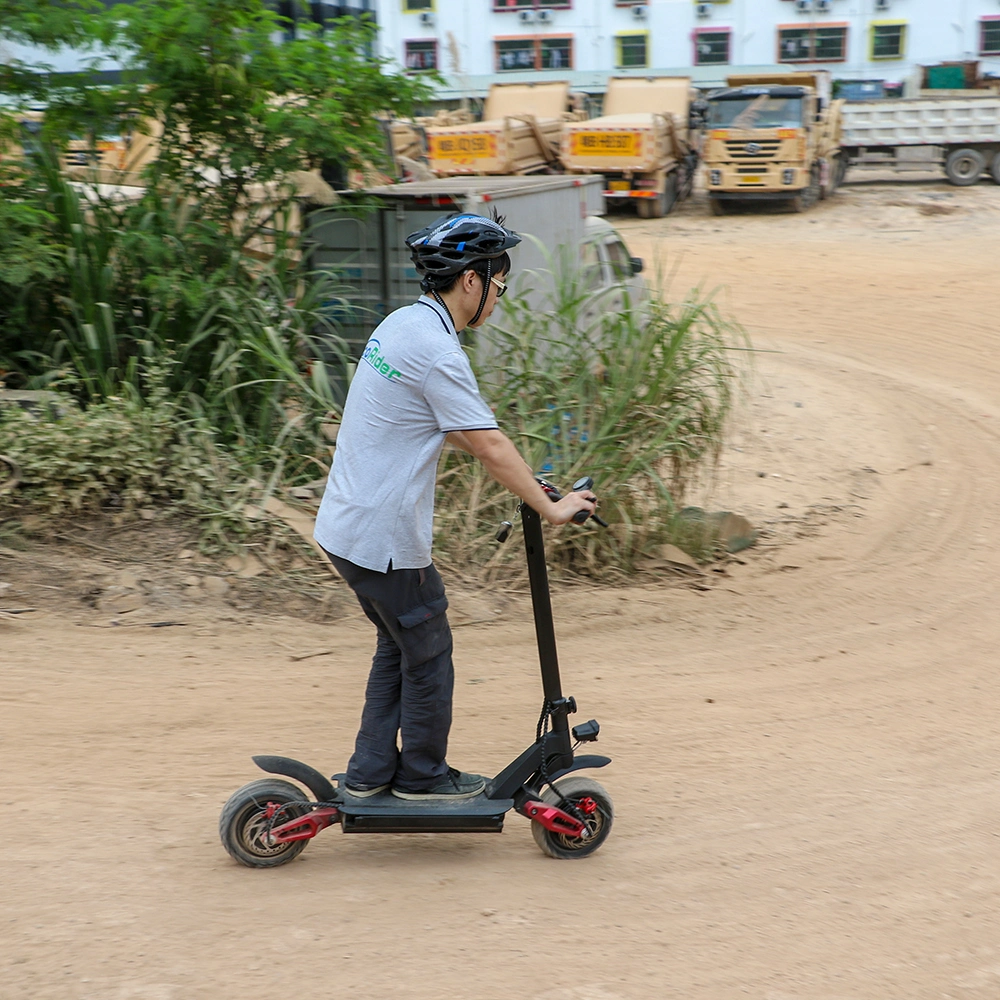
269, 821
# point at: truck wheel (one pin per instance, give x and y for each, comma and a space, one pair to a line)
995, 168
650, 208
717, 206
964, 166
807, 197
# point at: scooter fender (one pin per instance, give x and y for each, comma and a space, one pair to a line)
309, 776
579, 763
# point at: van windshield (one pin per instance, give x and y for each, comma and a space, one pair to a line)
759, 111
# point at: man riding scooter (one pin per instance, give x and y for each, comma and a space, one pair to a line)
414, 388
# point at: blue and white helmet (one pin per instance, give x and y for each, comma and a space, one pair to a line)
451, 244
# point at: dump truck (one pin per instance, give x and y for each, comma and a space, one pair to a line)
640, 144
772, 137
960, 134
519, 133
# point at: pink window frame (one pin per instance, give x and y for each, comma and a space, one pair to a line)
724, 29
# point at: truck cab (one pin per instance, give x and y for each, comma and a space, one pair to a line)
772, 139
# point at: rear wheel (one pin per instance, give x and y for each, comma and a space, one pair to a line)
243, 825
964, 166
579, 792
995, 168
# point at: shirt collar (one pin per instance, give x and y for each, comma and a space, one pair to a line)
429, 300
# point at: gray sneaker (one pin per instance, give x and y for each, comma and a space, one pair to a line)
363, 791
455, 785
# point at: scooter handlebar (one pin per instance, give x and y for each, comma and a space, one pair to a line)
580, 486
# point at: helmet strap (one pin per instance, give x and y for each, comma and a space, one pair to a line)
444, 305
486, 291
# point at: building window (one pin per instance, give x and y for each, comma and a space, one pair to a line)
414, 6
830, 43
711, 47
888, 40
502, 5
528, 52
632, 49
989, 36
421, 55
815, 43
794, 45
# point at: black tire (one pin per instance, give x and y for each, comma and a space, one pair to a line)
649, 208
807, 197
995, 168
558, 845
242, 823
718, 206
964, 167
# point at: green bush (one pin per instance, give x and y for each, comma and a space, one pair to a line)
121, 454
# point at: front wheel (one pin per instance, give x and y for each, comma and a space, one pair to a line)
243, 825
578, 792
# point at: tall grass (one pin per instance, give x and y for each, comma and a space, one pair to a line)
639, 402
247, 346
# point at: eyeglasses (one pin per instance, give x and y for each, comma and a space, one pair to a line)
502, 288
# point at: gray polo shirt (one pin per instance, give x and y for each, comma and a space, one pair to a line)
413, 385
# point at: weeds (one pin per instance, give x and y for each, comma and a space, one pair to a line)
639, 401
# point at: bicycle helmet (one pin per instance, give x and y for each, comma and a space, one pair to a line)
453, 244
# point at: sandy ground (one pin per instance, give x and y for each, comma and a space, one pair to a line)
806, 754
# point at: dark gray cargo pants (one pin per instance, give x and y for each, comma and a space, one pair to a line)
411, 681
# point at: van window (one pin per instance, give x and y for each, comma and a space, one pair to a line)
621, 264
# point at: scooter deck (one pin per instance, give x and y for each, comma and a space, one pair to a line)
385, 813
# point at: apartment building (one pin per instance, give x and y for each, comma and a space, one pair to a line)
474, 43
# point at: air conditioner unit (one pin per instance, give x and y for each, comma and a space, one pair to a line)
803, 6
881, 4
426, 19
704, 10
640, 12
526, 16
544, 17
822, 6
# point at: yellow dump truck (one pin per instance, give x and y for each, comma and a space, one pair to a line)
640, 144
772, 137
519, 133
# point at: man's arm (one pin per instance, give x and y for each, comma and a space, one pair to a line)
504, 463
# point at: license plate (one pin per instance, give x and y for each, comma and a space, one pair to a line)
605, 143
752, 180
450, 147
619, 186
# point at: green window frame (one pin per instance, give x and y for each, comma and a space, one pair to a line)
417, 6
632, 50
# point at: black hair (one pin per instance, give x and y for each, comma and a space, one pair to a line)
486, 269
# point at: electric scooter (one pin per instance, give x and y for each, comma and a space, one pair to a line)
269, 822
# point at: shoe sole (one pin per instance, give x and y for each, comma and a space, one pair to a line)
357, 793
438, 797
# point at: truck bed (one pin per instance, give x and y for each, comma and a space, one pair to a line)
921, 122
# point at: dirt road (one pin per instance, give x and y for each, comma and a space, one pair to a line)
806, 756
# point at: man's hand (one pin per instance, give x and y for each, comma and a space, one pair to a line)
563, 510
504, 463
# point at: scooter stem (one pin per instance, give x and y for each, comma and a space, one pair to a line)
541, 603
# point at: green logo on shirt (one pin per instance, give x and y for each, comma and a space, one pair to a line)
375, 358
